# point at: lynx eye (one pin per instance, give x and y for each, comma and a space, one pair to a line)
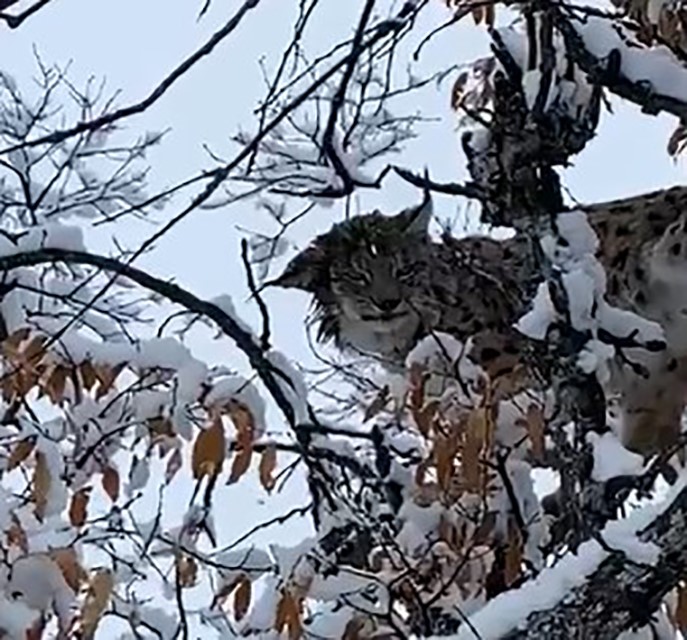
359, 277
404, 273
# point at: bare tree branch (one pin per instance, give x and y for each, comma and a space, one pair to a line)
110, 118
15, 21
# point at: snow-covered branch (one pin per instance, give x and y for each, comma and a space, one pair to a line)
613, 583
652, 77
275, 379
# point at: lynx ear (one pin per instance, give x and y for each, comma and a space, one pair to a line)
416, 219
306, 271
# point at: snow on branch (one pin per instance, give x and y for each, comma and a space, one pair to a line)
273, 378
613, 583
653, 77
571, 250
523, 111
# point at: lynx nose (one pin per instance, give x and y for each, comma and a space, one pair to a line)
388, 305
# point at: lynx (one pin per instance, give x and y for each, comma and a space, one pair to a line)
380, 284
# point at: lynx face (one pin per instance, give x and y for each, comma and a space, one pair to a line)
375, 285
368, 276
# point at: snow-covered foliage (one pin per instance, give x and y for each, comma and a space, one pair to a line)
433, 515
96, 417
569, 91
572, 253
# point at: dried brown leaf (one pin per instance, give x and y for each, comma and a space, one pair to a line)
470, 467
96, 602
476, 434
226, 590
352, 630
110, 482
187, 570
478, 14
289, 616
41, 485
16, 535
490, 15
680, 614
73, 573
35, 631
33, 351
268, 463
417, 378
56, 383
242, 598
241, 464
88, 375
209, 451
244, 422
107, 376
425, 416
10, 345
535, 429
78, 507
21, 451
483, 534
161, 427
444, 456
478, 426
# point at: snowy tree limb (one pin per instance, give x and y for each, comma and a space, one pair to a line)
608, 72
268, 373
621, 593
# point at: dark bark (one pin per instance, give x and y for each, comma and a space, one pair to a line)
620, 594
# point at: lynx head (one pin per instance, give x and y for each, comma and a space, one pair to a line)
365, 275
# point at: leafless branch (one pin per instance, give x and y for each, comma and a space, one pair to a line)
109, 119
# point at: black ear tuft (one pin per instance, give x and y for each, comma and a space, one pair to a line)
306, 271
415, 221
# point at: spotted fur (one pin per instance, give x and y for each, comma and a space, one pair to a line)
379, 284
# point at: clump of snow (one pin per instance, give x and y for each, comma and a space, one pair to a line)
509, 610
15, 618
51, 235
445, 359
569, 90
440, 347
658, 66
226, 304
571, 250
611, 458
292, 383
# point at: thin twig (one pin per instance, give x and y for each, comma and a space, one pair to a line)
265, 335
